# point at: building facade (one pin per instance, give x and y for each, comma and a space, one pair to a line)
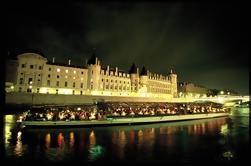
187, 89
35, 74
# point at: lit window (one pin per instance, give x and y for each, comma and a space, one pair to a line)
74, 72
58, 70
81, 79
66, 71
74, 78
66, 77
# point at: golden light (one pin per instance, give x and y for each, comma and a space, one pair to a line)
66, 76
74, 78
12, 87
74, 71
66, 70
58, 70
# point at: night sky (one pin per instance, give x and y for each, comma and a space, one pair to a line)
205, 43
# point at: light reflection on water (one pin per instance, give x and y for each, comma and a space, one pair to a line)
219, 139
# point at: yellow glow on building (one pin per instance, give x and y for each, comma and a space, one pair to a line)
66, 70
66, 77
58, 70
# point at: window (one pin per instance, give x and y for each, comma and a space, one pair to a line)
58, 70
31, 66
21, 81
81, 86
38, 74
38, 80
49, 76
40, 68
74, 71
82, 72
106, 80
92, 71
81, 92
66, 71
102, 80
57, 76
48, 82
111, 80
37, 90
74, 84
20, 89
49, 69
106, 87
23, 65
30, 81
56, 91
22, 73
57, 83
73, 92
65, 84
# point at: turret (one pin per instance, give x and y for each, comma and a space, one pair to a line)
173, 79
143, 80
93, 65
134, 74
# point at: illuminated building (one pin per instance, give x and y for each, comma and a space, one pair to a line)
37, 75
187, 89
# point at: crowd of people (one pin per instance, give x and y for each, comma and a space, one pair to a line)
102, 111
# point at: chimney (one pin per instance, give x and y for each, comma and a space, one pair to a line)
116, 70
171, 71
137, 70
108, 68
96, 61
69, 62
53, 59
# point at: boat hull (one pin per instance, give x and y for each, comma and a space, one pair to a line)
121, 120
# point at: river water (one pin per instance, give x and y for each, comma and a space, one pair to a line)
211, 140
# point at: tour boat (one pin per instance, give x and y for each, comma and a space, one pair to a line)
128, 120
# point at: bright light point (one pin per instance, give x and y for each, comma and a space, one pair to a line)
66, 71
31, 82
74, 78
74, 72
30, 86
81, 79
66, 76
221, 92
12, 87
58, 70
78, 108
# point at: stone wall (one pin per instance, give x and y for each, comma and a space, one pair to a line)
40, 99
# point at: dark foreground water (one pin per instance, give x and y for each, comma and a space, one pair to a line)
212, 140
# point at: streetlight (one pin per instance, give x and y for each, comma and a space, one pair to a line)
222, 92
